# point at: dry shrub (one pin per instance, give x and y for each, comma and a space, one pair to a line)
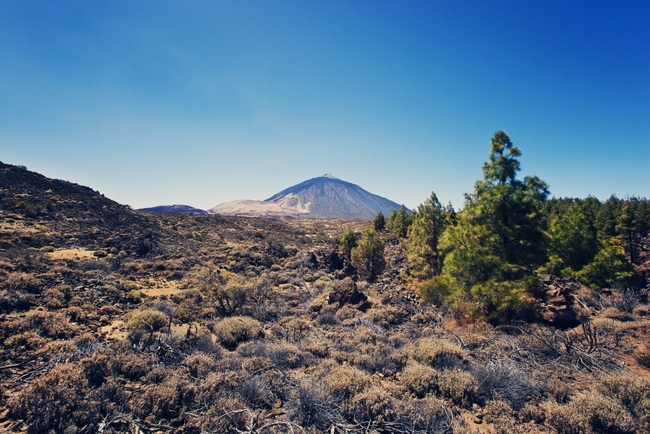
27, 341
429, 415
156, 375
77, 314
375, 406
19, 281
313, 406
109, 310
294, 329
317, 347
165, 400
49, 325
504, 379
55, 401
226, 415
419, 379
130, 365
200, 364
230, 332
10, 300
504, 420
96, 369
219, 384
283, 355
387, 315
590, 413
256, 391
458, 386
327, 318
437, 353
628, 389
143, 324
345, 382
560, 390
642, 356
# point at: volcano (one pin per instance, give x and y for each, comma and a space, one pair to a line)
322, 197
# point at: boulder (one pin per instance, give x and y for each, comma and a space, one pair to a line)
555, 305
346, 292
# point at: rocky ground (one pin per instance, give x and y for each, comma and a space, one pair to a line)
118, 321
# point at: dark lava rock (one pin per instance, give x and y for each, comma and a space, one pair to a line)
557, 298
346, 292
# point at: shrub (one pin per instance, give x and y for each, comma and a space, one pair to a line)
144, 324
590, 413
345, 382
428, 415
231, 331
628, 389
642, 356
313, 406
22, 282
55, 401
256, 391
375, 406
506, 380
437, 353
458, 386
200, 365
164, 400
130, 365
419, 379
368, 255
328, 318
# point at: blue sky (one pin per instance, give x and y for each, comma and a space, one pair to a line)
160, 102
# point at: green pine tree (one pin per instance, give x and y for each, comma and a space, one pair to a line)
424, 234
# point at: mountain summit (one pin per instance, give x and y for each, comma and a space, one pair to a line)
322, 197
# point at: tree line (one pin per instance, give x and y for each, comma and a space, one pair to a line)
485, 260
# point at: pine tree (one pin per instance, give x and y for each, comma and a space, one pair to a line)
379, 223
499, 238
573, 240
424, 234
368, 255
399, 221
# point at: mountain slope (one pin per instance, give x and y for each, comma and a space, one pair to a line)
321, 197
59, 212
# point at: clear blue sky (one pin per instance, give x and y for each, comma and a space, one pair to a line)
161, 102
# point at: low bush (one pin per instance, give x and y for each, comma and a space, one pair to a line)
458, 386
590, 413
345, 382
419, 379
437, 353
312, 406
232, 331
506, 380
56, 401
199, 365
374, 407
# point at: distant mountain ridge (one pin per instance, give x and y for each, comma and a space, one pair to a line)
322, 197
174, 209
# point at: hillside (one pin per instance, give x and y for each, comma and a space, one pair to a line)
322, 197
237, 324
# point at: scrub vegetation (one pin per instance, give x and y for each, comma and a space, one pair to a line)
518, 313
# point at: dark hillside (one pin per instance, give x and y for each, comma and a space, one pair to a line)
69, 214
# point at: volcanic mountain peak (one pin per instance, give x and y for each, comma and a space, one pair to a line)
322, 197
